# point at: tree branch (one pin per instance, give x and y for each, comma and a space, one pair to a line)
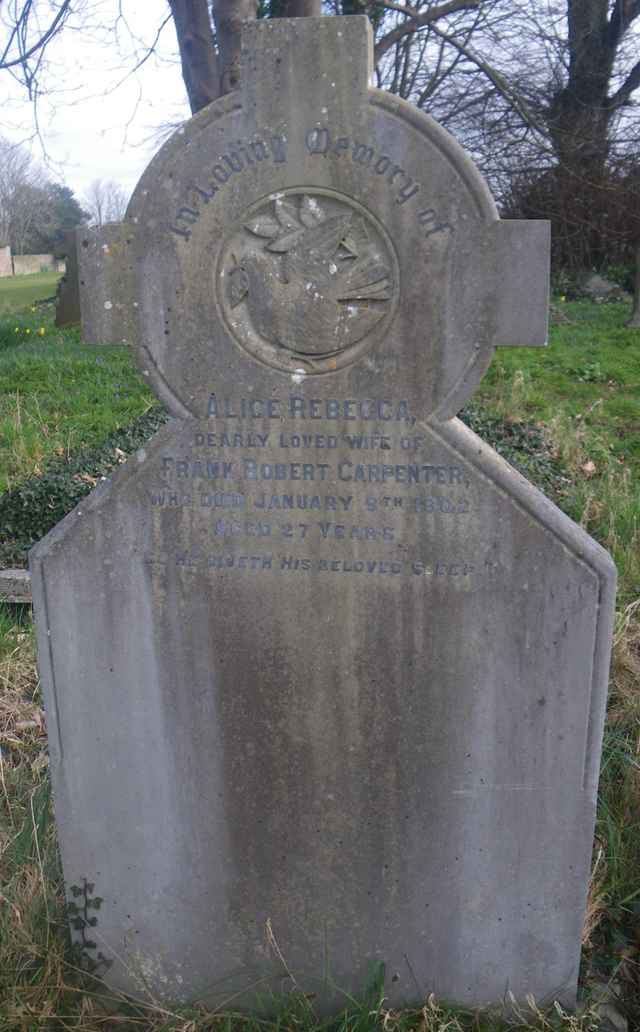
491, 73
622, 96
22, 21
417, 20
624, 12
145, 57
297, 9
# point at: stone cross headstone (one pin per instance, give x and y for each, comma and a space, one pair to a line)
325, 677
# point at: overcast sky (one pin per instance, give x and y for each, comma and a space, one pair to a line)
92, 124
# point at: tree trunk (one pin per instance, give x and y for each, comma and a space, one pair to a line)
228, 16
579, 114
296, 9
200, 66
634, 321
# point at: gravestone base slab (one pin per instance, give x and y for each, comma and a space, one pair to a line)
391, 784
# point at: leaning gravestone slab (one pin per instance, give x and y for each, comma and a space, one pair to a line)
68, 295
321, 669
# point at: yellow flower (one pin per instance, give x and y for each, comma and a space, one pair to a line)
563, 297
41, 331
27, 330
33, 309
17, 329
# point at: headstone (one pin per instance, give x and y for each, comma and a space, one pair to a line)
15, 586
325, 677
106, 284
68, 298
599, 288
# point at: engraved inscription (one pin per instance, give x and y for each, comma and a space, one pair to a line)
239, 157
305, 278
321, 141
438, 569
363, 490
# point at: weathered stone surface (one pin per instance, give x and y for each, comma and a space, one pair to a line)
417, 194
106, 283
316, 659
68, 299
15, 585
522, 303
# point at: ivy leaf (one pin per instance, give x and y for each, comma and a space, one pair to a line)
310, 214
263, 226
287, 215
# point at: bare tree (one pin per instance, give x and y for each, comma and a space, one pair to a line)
209, 34
532, 88
565, 70
14, 174
33, 210
544, 96
106, 201
582, 109
22, 197
527, 78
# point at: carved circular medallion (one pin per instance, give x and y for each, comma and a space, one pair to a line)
307, 281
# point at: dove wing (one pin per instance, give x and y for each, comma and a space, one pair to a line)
368, 279
315, 245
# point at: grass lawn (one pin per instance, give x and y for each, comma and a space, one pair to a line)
569, 415
589, 374
585, 389
58, 394
16, 292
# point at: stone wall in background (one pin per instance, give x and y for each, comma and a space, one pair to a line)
6, 268
25, 264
